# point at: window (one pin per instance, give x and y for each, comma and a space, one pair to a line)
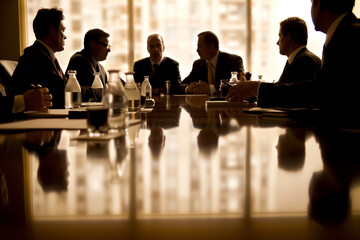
179, 22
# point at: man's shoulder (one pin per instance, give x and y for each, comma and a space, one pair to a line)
308, 53
168, 60
350, 25
37, 49
142, 61
80, 56
227, 55
200, 62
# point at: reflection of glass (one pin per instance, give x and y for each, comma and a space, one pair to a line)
118, 150
97, 121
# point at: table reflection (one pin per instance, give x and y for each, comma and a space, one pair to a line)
182, 162
330, 189
79, 180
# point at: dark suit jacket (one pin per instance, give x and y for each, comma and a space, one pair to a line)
6, 102
304, 67
85, 68
35, 66
337, 83
226, 64
168, 70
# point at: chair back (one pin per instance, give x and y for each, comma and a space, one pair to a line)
9, 66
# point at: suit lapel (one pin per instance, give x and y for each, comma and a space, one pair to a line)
299, 53
219, 67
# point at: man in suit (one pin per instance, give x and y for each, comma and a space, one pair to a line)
337, 83
38, 64
33, 99
212, 66
86, 63
301, 64
157, 67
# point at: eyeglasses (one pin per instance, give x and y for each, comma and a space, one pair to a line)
108, 46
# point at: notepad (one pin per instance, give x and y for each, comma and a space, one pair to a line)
224, 104
52, 113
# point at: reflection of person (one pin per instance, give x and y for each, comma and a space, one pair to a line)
329, 190
291, 149
166, 113
208, 141
212, 66
338, 78
38, 64
86, 63
157, 67
156, 141
53, 170
301, 64
34, 99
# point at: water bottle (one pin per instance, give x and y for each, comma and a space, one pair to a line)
98, 85
72, 91
132, 92
146, 90
116, 101
233, 80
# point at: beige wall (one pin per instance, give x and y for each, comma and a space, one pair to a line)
9, 30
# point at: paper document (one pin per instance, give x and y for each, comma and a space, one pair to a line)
54, 113
267, 111
51, 123
45, 123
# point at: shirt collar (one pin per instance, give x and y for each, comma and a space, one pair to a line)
294, 53
332, 28
52, 55
214, 59
152, 63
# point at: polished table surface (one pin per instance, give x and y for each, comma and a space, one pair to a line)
183, 172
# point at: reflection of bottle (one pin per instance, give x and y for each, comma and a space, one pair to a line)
72, 91
146, 90
116, 101
132, 92
233, 79
167, 87
97, 84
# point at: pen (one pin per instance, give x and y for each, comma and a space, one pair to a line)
36, 87
227, 83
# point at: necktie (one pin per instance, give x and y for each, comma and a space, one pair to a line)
156, 73
210, 73
97, 67
58, 69
211, 79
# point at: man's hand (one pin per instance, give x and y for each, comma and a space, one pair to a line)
198, 87
37, 99
243, 91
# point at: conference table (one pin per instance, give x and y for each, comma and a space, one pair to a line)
183, 170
